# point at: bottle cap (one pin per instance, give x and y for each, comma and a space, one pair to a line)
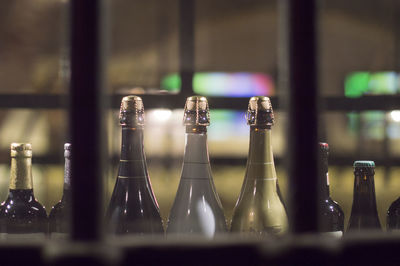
67, 146
21, 150
67, 150
364, 168
364, 164
324, 146
196, 112
132, 111
259, 112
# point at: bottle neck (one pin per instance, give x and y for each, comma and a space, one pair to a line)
21, 194
133, 160
132, 144
260, 163
323, 181
67, 173
67, 179
196, 149
364, 200
21, 173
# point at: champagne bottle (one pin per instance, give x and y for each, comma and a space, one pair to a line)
259, 210
21, 216
197, 209
59, 217
133, 208
331, 216
364, 214
393, 216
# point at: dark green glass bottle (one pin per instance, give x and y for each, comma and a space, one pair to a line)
133, 208
21, 216
364, 214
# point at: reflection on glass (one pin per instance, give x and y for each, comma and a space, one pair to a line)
235, 84
375, 125
361, 83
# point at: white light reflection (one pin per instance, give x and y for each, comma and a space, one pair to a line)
395, 115
160, 115
206, 217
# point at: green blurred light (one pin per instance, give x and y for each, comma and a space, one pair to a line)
356, 84
171, 82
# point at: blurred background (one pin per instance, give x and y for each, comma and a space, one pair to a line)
236, 54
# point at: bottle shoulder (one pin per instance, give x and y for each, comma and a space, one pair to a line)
57, 209
394, 208
17, 207
331, 206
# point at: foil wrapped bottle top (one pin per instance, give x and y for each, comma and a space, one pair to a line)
67, 150
21, 150
132, 111
259, 112
196, 112
364, 167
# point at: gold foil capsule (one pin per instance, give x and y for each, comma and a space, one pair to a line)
259, 112
21, 150
132, 111
196, 112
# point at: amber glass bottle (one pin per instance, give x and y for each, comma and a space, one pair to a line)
364, 214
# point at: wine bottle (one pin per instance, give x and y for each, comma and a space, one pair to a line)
259, 210
364, 214
21, 216
197, 209
59, 217
133, 208
331, 216
393, 216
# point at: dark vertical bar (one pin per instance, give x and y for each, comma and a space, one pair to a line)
300, 19
86, 97
186, 45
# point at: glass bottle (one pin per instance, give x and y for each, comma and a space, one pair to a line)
59, 217
393, 216
364, 214
331, 216
133, 208
197, 209
21, 216
259, 210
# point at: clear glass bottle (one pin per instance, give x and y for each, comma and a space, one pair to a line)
197, 209
59, 217
21, 215
364, 214
133, 208
331, 216
259, 210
